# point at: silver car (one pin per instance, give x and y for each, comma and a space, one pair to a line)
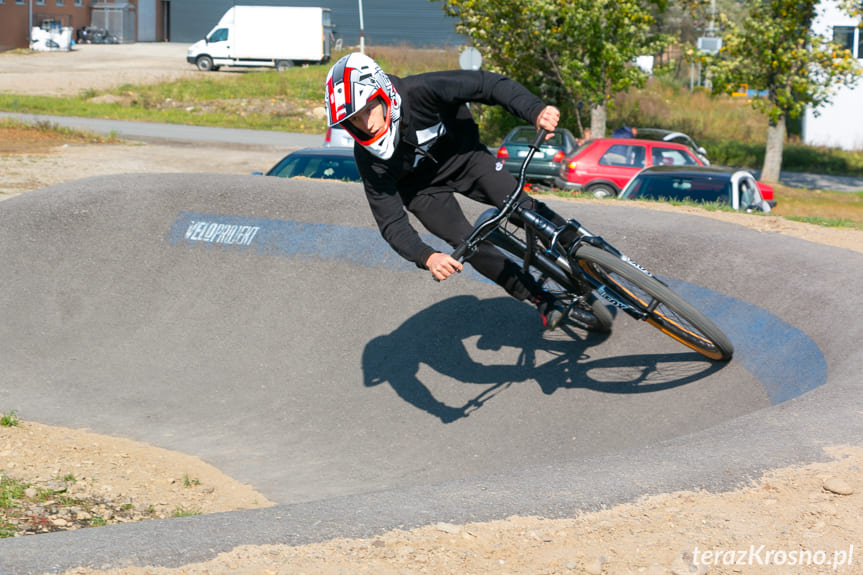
337, 137
676, 137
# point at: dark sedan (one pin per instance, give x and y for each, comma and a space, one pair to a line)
545, 165
318, 163
737, 189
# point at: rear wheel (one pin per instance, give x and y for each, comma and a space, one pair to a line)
282, 65
601, 191
664, 309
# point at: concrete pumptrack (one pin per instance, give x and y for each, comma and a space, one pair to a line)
263, 325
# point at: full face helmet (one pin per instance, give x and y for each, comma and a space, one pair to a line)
354, 82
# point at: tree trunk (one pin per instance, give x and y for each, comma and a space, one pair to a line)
598, 115
773, 153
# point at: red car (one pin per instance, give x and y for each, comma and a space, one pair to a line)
603, 166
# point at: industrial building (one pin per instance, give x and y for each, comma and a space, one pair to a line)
418, 23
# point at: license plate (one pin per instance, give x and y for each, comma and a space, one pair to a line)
538, 154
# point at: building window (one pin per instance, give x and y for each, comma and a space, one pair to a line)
843, 36
79, 2
59, 2
40, 2
19, 2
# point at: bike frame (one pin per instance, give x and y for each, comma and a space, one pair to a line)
552, 259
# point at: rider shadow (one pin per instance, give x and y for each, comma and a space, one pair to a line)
440, 336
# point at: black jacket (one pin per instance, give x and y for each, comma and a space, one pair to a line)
437, 136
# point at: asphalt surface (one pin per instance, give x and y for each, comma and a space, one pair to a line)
263, 325
155, 131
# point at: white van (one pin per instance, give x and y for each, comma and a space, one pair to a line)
265, 36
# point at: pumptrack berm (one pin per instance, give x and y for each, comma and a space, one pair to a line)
263, 325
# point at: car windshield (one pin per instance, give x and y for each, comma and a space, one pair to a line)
680, 188
320, 167
527, 136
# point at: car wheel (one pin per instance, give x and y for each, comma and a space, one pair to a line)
601, 191
204, 63
282, 65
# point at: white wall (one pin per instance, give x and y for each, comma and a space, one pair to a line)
840, 123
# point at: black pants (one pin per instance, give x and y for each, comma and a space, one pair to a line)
486, 181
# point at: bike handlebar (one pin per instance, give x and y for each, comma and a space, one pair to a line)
509, 204
460, 251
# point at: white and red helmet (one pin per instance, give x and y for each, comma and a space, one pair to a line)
352, 83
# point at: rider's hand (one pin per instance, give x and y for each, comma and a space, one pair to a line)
547, 120
442, 265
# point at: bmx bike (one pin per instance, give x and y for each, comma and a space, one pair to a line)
589, 274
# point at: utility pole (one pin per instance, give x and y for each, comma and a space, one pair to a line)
362, 31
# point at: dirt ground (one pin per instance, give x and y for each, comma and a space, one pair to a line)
797, 520
92, 66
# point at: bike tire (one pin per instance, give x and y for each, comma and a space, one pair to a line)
664, 309
590, 311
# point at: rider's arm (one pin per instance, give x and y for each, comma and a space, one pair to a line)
392, 219
455, 87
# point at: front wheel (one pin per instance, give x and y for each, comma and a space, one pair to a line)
205, 64
662, 307
282, 65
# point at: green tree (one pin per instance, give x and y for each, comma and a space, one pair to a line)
776, 50
575, 54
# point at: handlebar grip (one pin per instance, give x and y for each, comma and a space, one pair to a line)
540, 138
460, 251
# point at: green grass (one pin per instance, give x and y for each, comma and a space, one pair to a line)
254, 99
69, 134
13, 499
11, 491
190, 481
821, 207
184, 512
9, 419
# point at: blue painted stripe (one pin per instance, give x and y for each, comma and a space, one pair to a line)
784, 359
780, 356
266, 237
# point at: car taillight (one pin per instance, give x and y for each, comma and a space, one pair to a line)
558, 157
328, 138
572, 165
502, 153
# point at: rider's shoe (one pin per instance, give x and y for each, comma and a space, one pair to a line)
552, 310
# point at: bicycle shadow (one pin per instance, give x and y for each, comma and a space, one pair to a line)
440, 337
